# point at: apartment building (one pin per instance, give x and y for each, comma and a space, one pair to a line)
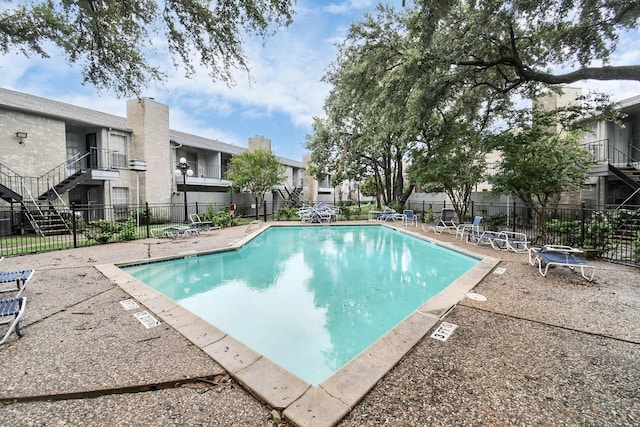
614, 179
55, 153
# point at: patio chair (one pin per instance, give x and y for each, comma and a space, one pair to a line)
17, 278
409, 217
445, 222
515, 241
474, 226
494, 238
562, 256
11, 310
198, 225
179, 231
389, 214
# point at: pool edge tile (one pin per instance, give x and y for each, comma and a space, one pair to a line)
316, 407
201, 333
273, 384
355, 379
231, 354
440, 304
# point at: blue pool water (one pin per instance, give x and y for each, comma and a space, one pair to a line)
310, 298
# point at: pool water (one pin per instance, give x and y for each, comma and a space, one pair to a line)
310, 298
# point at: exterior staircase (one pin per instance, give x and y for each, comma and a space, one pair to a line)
293, 196
45, 215
45, 220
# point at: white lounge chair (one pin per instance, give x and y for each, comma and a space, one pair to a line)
11, 310
474, 226
562, 256
198, 225
446, 222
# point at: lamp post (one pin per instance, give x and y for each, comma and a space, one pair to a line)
184, 169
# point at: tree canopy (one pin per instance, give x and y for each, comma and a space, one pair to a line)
256, 172
424, 85
524, 41
116, 42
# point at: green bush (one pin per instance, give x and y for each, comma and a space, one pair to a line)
218, 218
495, 221
428, 217
129, 229
285, 213
103, 231
635, 246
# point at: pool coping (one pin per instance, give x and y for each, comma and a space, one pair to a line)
302, 403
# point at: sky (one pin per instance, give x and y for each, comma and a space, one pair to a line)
279, 102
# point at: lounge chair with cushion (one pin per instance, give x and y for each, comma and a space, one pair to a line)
562, 256
446, 222
11, 310
14, 281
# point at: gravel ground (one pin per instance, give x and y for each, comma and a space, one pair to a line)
539, 351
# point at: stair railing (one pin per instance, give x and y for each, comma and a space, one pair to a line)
60, 172
28, 210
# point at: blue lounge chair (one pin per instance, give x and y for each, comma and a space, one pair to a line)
559, 255
17, 278
11, 310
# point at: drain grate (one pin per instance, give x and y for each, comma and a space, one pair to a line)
146, 319
129, 304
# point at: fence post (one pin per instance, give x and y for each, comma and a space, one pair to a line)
73, 224
257, 209
473, 209
584, 216
513, 217
264, 206
148, 216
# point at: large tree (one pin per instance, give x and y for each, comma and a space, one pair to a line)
364, 135
116, 42
256, 172
541, 159
451, 157
523, 41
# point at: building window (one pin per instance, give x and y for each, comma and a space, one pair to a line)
120, 203
118, 150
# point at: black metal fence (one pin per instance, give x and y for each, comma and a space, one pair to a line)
608, 233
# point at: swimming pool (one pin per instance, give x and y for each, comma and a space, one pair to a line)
310, 298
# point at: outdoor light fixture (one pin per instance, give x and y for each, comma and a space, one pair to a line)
184, 169
21, 136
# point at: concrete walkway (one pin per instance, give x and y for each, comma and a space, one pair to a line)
538, 351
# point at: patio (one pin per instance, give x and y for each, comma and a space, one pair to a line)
539, 351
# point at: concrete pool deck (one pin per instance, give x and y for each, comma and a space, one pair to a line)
304, 404
86, 360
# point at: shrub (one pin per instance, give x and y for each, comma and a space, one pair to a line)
285, 213
102, 231
129, 229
